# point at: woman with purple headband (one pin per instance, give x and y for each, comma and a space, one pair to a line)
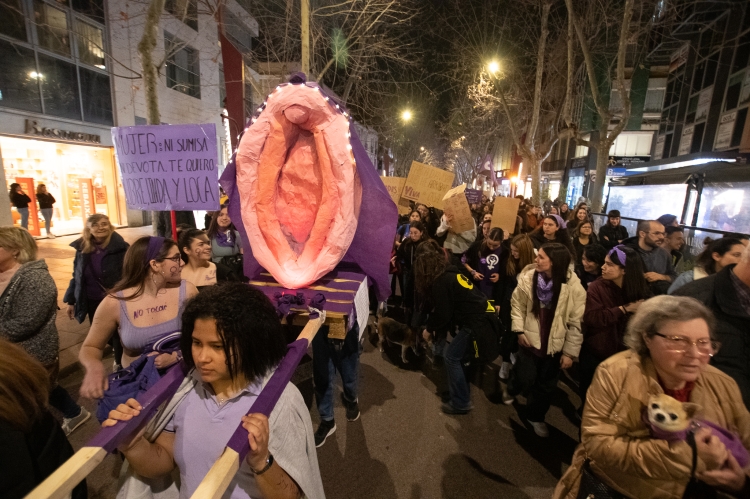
144, 305
610, 302
553, 229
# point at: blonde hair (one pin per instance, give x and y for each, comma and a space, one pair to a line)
655, 312
18, 239
88, 245
24, 387
39, 188
526, 255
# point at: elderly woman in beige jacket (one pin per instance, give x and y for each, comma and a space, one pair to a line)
546, 312
671, 342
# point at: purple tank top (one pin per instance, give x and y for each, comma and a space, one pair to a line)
136, 338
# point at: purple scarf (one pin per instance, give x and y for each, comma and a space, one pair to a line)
225, 238
543, 288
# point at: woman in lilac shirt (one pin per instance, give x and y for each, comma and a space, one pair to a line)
233, 339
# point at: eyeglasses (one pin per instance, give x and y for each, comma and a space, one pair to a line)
176, 259
681, 344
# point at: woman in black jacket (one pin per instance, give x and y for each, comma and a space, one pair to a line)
46, 200
456, 302
100, 252
21, 201
406, 254
553, 229
32, 444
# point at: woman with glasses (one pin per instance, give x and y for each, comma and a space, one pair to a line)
610, 302
670, 342
100, 252
144, 306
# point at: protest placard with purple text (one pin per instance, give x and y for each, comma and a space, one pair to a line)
168, 167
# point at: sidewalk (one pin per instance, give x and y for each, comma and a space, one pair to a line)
59, 257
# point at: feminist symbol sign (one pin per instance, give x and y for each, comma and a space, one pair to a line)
492, 260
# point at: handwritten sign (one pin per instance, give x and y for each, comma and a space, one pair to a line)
395, 185
168, 167
427, 184
473, 196
457, 210
504, 214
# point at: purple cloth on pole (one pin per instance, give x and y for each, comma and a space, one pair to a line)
109, 438
270, 394
373, 240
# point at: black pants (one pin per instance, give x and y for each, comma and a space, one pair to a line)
587, 364
536, 377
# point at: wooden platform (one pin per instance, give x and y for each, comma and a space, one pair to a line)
340, 290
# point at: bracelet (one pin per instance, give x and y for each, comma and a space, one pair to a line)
269, 463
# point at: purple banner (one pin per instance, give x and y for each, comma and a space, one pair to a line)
473, 196
168, 167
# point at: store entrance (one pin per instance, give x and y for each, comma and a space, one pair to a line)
82, 180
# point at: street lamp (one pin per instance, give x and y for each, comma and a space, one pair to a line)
493, 67
406, 115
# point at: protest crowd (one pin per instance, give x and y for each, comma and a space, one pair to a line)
201, 331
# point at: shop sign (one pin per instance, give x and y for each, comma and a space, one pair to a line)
616, 172
627, 161
686, 140
704, 102
659, 149
168, 167
100, 194
726, 127
86, 190
579, 162
33, 128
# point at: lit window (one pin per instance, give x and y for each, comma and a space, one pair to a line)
90, 43
183, 67
52, 28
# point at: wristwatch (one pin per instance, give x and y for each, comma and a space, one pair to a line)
269, 463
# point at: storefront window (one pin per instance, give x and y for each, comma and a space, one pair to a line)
97, 106
62, 168
90, 44
13, 24
647, 202
725, 207
19, 84
52, 28
59, 87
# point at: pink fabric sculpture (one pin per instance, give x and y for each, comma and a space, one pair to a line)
300, 193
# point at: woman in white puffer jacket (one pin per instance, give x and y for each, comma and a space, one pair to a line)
546, 312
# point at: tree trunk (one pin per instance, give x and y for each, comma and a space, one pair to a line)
602, 160
305, 29
150, 73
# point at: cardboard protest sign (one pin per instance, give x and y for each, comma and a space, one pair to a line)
456, 208
426, 184
395, 185
473, 196
505, 213
168, 167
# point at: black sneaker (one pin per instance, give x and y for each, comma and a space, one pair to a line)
325, 430
352, 409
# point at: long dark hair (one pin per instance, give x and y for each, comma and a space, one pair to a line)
634, 285
213, 227
496, 235
135, 268
560, 258
186, 239
13, 188
429, 265
721, 246
247, 323
561, 236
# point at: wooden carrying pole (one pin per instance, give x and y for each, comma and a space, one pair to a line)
60, 483
221, 473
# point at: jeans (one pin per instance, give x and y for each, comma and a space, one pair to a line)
47, 214
330, 356
536, 376
61, 400
458, 387
24, 217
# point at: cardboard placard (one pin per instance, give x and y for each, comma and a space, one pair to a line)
427, 185
473, 196
395, 186
505, 213
456, 208
168, 167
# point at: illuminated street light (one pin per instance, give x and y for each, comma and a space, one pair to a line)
406, 115
493, 67
35, 75
421, 148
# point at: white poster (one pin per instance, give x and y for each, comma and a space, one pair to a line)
726, 127
704, 102
686, 140
659, 149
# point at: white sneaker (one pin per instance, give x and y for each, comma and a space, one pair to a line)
50, 236
505, 371
540, 429
513, 358
70, 424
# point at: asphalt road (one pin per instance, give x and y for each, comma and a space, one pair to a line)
404, 447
